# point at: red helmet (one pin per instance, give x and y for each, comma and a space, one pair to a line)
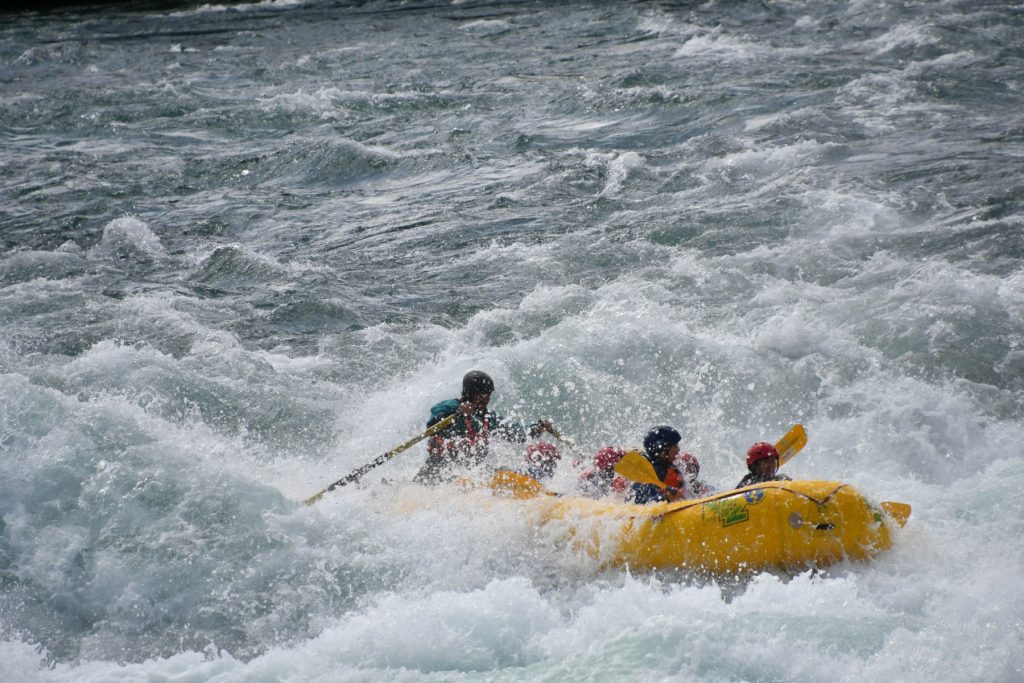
608, 457
541, 452
689, 464
760, 451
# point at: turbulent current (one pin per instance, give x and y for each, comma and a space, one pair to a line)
244, 248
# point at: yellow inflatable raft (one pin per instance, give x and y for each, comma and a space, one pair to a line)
788, 526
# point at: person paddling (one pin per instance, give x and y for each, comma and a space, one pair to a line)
763, 463
465, 443
661, 448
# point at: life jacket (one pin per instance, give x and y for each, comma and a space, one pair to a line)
674, 479
482, 435
466, 440
466, 432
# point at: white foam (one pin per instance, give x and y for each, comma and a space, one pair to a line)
486, 27
129, 236
241, 8
903, 35
719, 45
771, 159
619, 169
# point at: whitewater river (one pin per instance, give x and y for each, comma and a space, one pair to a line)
244, 248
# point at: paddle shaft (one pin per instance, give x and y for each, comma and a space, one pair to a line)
380, 460
567, 443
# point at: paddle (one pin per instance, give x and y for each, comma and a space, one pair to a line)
567, 443
635, 467
791, 443
518, 485
354, 476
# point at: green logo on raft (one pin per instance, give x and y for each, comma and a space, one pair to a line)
728, 511
732, 510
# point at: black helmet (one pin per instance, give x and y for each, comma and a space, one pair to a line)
659, 440
476, 383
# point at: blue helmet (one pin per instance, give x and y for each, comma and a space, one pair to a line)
659, 440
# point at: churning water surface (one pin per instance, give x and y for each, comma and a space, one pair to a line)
245, 247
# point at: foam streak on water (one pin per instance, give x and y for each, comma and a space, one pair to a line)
244, 248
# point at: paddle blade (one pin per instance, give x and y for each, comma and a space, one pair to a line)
900, 512
791, 443
635, 467
516, 485
313, 499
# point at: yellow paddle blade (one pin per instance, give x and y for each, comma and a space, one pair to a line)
791, 443
635, 467
900, 512
516, 485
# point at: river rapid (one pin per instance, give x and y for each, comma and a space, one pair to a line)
245, 247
